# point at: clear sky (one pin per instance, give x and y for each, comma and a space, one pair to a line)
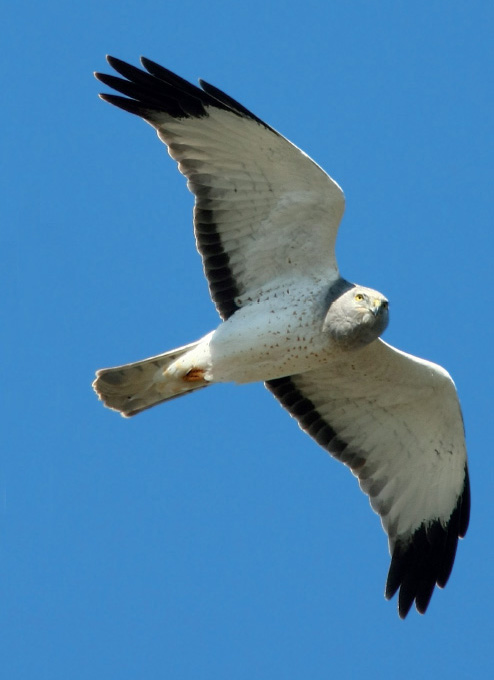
210, 538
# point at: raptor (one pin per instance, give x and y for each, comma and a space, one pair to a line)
265, 221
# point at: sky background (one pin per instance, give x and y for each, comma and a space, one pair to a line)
210, 538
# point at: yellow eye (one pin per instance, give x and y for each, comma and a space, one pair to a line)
359, 297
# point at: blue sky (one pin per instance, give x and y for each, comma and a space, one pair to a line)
210, 538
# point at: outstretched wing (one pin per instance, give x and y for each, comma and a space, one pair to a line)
396, 422
264, 213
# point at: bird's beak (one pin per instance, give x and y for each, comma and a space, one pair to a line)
378, 306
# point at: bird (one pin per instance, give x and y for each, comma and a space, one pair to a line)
266, 218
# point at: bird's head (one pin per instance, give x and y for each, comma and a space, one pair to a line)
357, 317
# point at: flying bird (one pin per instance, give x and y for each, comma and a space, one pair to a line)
265, 221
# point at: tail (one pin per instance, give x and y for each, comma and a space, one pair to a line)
132, 388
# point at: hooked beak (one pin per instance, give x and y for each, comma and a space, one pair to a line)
378, 306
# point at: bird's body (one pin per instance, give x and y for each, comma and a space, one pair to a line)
282, 332
266, 218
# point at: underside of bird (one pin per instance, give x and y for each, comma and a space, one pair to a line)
265, 222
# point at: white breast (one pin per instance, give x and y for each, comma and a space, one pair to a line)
279, 334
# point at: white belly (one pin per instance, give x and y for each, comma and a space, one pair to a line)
267, 340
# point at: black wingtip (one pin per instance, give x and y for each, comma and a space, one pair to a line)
465, 506
231, 103
114, 61
159, 90
426, 559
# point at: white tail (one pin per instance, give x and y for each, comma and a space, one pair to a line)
132, 388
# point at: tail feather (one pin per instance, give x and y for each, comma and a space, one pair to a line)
135, 387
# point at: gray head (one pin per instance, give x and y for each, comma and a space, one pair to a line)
357, 317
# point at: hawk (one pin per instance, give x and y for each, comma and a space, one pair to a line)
265, 221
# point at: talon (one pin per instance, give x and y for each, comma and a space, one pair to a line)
194, 375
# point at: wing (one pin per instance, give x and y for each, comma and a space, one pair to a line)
264, 213
396, 422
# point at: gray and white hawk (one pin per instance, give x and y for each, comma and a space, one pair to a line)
265, 220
